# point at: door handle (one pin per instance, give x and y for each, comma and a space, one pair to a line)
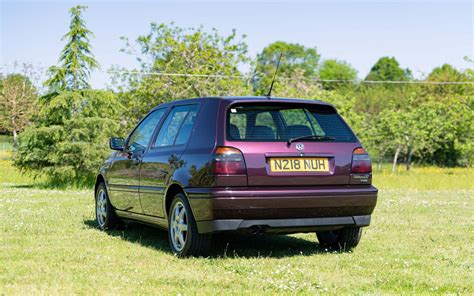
137, 158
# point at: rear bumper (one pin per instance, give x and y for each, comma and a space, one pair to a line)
285, 209
282, 225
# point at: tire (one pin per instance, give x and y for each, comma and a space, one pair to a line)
184, 238
104, 212
343, 239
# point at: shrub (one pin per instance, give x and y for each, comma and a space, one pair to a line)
69, 140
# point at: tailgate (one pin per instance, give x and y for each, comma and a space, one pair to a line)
290, 143
280, 165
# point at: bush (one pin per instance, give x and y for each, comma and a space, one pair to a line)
69, 140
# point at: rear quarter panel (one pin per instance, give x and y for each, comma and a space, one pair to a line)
195, 169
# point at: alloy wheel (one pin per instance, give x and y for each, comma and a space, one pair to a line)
179, 226
101, 207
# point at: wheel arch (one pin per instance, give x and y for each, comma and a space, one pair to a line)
100, 178
173, 189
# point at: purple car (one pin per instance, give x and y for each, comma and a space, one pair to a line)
253, 165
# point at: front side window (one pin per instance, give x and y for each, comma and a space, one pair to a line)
141, 136
281, 122
177, 127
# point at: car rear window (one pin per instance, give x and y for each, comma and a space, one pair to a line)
280, 122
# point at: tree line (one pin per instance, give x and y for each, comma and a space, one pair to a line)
63, 132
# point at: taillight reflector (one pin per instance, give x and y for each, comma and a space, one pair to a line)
361, 161
228, 161
359, 150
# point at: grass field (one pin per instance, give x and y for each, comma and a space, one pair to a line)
6, 144
420, 242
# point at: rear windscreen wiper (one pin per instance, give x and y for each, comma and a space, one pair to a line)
309, 137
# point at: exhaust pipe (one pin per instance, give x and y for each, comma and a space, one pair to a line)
257, 230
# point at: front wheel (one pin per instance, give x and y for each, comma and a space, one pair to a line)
341, 239
185, 240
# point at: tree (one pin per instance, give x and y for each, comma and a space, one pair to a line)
336, 70
17, 104
69, 138
447, 73
388, 69
296, 57
69, 141
76, 60
450, 125
470, 70
374, 98
434, 132
388, 132
297, 87
171, 49
397, 132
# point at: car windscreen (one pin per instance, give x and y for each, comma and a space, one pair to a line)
273, 122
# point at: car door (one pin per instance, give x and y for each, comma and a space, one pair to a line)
163, 157
124, 175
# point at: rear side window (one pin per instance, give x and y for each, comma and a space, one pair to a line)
281, 122
177, 127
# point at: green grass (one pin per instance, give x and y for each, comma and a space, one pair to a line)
420, 242
6, 142
6, 145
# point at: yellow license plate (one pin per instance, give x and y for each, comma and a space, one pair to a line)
301, 164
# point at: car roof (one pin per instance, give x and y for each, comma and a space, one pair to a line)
245, 99
264, 98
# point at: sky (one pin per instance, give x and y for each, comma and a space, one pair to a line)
419, 34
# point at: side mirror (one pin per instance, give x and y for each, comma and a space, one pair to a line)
117, 144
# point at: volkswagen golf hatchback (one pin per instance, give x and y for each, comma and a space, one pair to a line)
254, 165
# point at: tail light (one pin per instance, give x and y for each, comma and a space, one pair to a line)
361, 161
228, 161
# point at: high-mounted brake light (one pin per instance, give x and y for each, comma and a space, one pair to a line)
228, 161
361, 161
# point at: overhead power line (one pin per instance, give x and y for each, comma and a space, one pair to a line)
289, 78
254, 75
417, 82
179, 74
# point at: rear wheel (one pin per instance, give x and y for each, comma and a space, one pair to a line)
341, 239
183, 235
104, 212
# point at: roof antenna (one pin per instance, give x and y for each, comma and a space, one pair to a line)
274, 75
